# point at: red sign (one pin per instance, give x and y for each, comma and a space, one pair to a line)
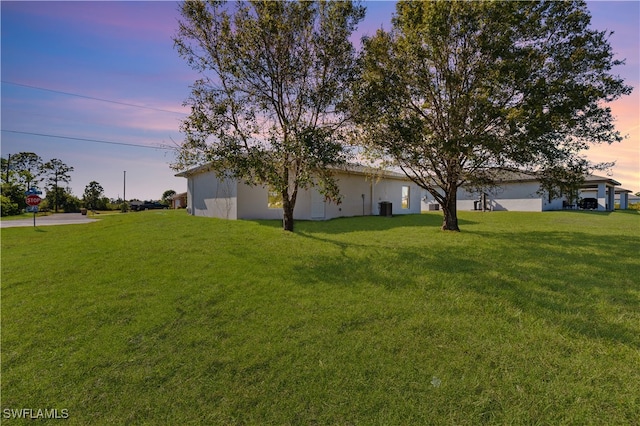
33, 200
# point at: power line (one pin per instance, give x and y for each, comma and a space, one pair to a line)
166, 148
91, 97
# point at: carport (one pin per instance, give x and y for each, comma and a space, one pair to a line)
601, 188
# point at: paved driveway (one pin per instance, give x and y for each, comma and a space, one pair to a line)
54, 219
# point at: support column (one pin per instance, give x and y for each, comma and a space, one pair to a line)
611, 198
602, 196
624, 200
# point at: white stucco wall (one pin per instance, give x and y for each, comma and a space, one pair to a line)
253, 203
226, 198
207, 195
391, 190
310, 205
515, 196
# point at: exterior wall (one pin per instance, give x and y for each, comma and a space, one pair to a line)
356, 193
225, 198
516, 196
555, 204
515, 205
360, 197
179, 201
208, 195
391, 190
253, 203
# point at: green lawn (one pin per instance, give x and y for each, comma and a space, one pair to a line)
161, 318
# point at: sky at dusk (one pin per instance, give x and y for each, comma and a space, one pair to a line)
100, 86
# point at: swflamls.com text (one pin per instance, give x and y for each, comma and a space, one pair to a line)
35, 413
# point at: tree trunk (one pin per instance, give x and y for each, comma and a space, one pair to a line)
288, 203
287, 216
450, 210
55, 197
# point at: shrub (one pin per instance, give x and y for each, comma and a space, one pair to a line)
71, 204
7, 207
15, 195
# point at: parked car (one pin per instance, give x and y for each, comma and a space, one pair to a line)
148, 205
588, 203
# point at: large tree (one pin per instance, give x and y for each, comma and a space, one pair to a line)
459, 90
56, 172
24, 167
63, 198
167, 196
267, 109
93, 194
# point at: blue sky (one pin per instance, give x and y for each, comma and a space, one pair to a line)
105, 76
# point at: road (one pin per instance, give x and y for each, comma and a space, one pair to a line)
50, 220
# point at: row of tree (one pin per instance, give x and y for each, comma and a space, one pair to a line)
453, 93
25, 170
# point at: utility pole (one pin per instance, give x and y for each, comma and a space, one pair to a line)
124, 189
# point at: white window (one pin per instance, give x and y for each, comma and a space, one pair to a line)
405, 197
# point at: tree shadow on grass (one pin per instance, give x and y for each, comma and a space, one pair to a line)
582, 282
386, 267
343, 225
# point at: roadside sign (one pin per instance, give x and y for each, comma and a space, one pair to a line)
33, 200
33, 190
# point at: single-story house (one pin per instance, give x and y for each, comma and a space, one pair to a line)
362, 191
179, 201
520, 192
630, 197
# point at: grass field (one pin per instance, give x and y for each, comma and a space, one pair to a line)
161, 318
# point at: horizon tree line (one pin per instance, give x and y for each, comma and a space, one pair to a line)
24, 170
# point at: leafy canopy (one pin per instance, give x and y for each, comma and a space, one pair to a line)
93, 192
458, 91
268, 108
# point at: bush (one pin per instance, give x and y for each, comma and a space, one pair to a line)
7, 207
15, 195
71, 204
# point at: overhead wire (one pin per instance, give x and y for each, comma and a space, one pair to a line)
90, 97
94, 99
166, 148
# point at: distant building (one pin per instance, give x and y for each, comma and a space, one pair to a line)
179, 201
521, 192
